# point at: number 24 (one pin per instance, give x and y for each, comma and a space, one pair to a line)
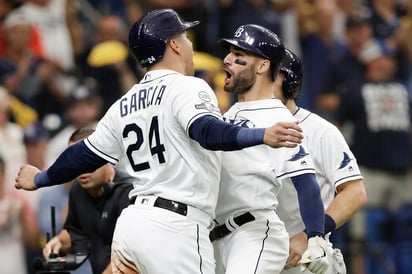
156, 147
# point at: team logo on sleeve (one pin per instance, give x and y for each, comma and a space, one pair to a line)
346, 160
204, 96
301, 154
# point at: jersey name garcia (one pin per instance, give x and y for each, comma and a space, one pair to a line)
146, 133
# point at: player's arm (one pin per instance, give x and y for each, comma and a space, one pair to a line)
313, 216
75, 160
215, 134
351, 196
310, 204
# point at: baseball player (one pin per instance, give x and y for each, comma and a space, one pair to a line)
168, 127
249, 237
336, 168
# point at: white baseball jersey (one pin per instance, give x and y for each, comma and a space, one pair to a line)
251, 178
334, 163
149, 125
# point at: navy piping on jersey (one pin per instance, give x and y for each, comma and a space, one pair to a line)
306, 117
287, 173
106, 155
344, 178
198, 249
144, 80
255, 109
263, 245
199, 116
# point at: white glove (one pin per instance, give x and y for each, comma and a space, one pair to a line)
335, 259
314, 258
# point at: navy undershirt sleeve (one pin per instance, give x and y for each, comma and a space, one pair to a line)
310, 203
75, 160
215, 134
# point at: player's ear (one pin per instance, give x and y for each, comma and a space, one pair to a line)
263, 66
174, 45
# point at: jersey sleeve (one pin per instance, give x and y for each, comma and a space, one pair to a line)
194, 99
339, 163
105, 142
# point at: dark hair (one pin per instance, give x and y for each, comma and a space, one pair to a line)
80, 134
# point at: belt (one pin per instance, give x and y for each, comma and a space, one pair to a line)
174, 206
222, 230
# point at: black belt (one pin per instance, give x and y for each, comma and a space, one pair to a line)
177, 207
222, 230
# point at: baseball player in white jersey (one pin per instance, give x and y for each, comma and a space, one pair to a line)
249, 237
168, 127
336, 171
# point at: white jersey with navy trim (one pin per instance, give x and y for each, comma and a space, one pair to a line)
148, 127
334, 163
251, 177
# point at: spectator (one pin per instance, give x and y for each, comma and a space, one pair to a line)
32, 79
83, 109
319, 46
18, 228
12, 148
107, 60
345, 72
60, 32
381, 140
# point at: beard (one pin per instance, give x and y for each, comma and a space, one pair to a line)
242, 82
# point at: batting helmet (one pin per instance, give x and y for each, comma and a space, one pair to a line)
149, 35
293, 71
260, 41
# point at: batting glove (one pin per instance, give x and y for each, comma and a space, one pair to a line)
335, 259
314, 258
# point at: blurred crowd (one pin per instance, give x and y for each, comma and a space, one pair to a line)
64, 62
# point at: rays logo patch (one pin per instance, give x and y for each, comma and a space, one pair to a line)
301, 153
346, 160
204, 96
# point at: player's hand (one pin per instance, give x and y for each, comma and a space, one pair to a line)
335, 259
314, 258
25, 177
298, 245
283, 134
52, 247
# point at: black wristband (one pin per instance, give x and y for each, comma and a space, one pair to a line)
330, 224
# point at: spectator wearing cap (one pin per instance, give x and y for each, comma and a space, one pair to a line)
108, 61
345, 72
381, 140
83, 109
31, 78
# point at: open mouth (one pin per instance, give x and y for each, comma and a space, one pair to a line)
228, 76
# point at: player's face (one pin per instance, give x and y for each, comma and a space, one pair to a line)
186, 52
240, 68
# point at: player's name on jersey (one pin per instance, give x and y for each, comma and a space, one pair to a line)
141, 99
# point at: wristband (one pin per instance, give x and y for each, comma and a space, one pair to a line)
41, 179
330, 224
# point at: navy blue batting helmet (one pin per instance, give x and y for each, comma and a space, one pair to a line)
293, 71
148, 36
260, 41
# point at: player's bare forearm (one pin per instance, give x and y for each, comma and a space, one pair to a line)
283, 134
25, 177
350, 198
298, 245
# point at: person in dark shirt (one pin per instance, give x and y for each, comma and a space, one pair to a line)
95, 201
